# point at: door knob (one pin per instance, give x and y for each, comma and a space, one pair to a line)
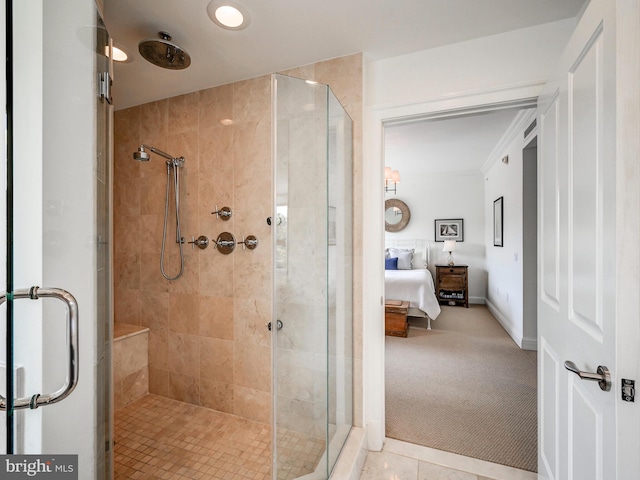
603, 376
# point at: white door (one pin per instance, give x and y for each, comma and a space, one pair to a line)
580, 312
57, 235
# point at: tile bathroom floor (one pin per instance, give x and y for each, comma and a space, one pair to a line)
160, 438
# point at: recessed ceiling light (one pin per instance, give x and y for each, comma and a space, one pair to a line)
119, 55
226, 121
228, 14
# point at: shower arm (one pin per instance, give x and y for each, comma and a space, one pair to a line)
177, 161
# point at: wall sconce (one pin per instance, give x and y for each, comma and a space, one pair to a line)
449, 246
391, 180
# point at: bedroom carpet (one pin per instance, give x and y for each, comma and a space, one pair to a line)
464, 387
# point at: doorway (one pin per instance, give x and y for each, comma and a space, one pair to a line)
434, 193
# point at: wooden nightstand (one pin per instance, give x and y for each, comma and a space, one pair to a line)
452, 285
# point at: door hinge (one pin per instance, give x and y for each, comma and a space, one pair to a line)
104, 86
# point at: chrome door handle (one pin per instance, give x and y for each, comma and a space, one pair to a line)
37, 400
603, 376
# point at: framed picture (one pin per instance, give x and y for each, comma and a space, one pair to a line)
497, 223
449, 230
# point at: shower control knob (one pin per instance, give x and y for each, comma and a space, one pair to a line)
224, 213
250, 242
201, 242
225, 243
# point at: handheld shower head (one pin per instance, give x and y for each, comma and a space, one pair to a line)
141, 155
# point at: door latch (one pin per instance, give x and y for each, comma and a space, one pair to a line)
628, 390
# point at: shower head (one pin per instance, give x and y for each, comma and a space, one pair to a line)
141, 155
163, 53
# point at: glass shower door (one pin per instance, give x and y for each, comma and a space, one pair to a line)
313, 279
55, 317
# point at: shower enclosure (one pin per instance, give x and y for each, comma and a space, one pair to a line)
312, 319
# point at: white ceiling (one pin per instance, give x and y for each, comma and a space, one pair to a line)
288, 33
451, 145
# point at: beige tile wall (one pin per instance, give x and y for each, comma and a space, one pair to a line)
208, 344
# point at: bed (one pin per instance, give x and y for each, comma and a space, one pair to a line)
412, 281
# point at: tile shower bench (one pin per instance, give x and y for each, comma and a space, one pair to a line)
130, 363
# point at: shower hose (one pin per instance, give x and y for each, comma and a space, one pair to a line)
172, 166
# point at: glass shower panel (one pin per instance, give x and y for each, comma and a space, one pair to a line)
104, 314
312, 350
60, 184
340, 277
300, 279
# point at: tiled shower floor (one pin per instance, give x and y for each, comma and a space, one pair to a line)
160, 438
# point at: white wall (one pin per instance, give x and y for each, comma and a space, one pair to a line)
504, 264
497, 69
512, 58
443, 196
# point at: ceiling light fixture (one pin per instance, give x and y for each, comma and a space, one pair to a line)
119, 55
228, 14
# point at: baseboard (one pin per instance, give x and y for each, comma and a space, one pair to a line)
506, 324
477, 300
352, 457
529, 343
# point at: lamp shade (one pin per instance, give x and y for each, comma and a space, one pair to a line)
449, 246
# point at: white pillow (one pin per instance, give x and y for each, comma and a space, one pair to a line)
418, 261
405, 257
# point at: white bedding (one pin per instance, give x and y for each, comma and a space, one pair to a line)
414, 285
